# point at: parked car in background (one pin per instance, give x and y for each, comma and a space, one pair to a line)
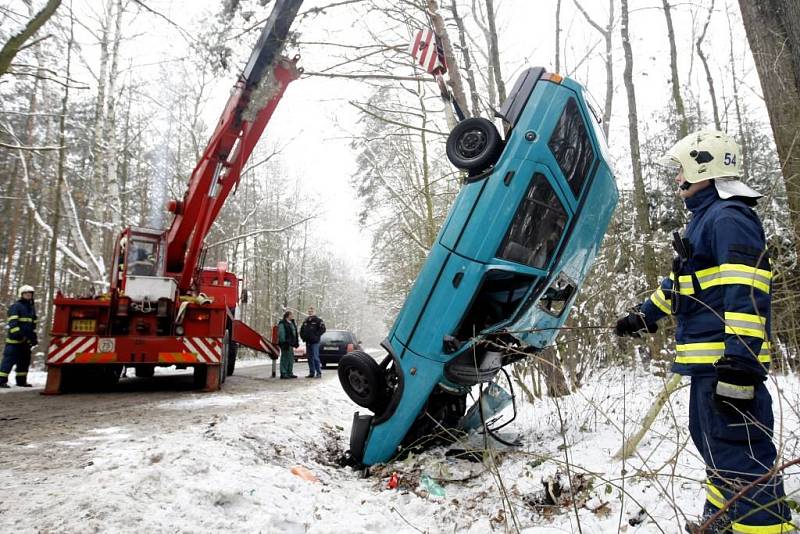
333, 345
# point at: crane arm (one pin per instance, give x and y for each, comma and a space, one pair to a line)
247, 112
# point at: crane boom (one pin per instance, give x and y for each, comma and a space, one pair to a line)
250, 107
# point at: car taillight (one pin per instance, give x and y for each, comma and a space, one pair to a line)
350, 347
82, 313
202, 316
552, 77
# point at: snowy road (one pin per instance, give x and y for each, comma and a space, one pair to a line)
154, 456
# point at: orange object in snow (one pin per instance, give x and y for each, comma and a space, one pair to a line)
393, 480
304, 473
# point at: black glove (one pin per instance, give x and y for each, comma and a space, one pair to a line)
735, 387
632, 324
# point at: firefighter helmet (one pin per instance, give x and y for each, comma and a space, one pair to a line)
710, 155
24, 289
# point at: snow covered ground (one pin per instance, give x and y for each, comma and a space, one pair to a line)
156, 457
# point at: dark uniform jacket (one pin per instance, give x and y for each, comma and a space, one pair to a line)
21, 325
719, 292
312, 329
287, 334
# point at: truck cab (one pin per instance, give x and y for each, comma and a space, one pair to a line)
504, 271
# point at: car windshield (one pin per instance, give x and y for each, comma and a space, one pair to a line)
335, 336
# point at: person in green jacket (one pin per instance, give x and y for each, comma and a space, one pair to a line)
287, 341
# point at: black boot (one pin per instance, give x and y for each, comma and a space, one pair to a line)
4, 385
24, 385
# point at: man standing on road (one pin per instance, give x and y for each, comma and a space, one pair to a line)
311, 332
20, 338
287, 341
719, 292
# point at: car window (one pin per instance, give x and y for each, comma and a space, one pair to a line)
571, 147
537, 227
335, 337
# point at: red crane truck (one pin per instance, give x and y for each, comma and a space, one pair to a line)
163, 308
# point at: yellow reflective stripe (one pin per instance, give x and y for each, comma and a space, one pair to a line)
3, 375
779, 528
734, 273
714, 496
12, 317
764, 355
26, 319
745, 324
13, 330
686, 287
21, 374
700, 353
660, 301
13, 341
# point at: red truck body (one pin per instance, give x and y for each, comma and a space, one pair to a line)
162, 307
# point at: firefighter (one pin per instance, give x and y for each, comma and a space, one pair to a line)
719, 293
20, 338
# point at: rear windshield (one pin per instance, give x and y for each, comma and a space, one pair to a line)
571, 147
335, 337
537, 227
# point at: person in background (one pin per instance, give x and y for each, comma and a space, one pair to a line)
287, 341
20, 338
311, 332
719, 293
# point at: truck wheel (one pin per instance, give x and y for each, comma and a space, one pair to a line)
363, 380
200, 375
474, 145
232, 357
145, 371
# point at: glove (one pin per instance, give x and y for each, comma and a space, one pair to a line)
735, 387
632, 324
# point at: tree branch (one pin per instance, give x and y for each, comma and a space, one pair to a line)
16, 43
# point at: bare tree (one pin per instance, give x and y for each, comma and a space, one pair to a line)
709, 79
642, 215
18, 41
773, 30
683, 123
608, 58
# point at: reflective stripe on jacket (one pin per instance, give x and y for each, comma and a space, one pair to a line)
21, 322
720, 295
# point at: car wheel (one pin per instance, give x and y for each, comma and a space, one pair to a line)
232, 352
363, 380
474, 145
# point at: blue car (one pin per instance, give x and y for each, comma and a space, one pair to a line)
504, 270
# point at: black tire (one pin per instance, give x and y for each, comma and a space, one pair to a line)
232, 351
199, 376
474, 145
363, 380
145, 371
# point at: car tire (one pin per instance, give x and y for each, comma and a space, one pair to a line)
363, 380
474, 145
232, 352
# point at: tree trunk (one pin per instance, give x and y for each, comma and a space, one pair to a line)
558, 36
494, 52
712, 92
683, 124
773, 30
607, 34
17, 41
554, 378
469, 72
629, 447
452, 64
56, 221
642, 212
